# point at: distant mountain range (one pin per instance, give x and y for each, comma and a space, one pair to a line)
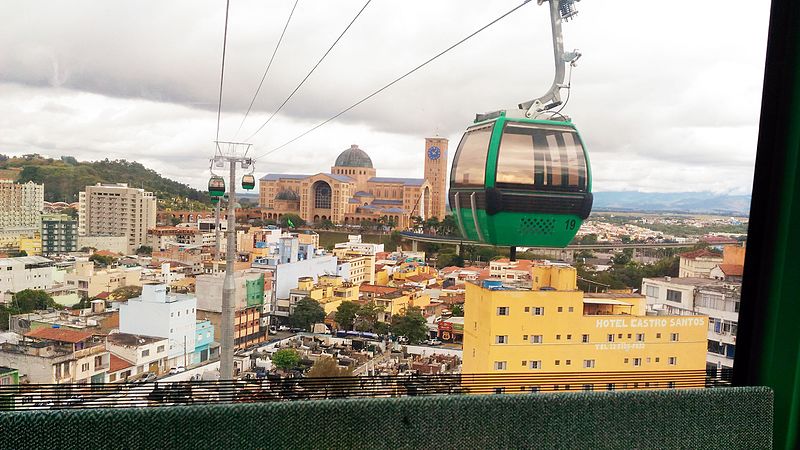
676, 202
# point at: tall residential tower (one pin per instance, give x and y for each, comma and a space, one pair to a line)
117, 210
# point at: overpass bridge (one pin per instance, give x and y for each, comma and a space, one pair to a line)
565, 253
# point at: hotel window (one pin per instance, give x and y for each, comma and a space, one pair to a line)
527, 309
639, 337
560, 309
673, 337
145, 353
588, 387
501, 339
626, 360
524, 337
502, 311
658, 359
558, 362
658, 335
571, 309
569, 337
585, 338
85, 367
588, 364
558, 337
610, 338
673, 360
673, 296
538, 311
535, 364
499, 365
569, 362
610, 386
536, 339
637, 362
524, 363
652, 291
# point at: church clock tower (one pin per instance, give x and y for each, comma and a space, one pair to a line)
436, 174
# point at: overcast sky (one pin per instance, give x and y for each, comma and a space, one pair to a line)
666, 96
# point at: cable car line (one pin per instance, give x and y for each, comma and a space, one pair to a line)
266, 71
396, 80
222, 70
310, 72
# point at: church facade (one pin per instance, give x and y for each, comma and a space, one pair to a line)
352, 192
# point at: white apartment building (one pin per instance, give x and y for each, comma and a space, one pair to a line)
142, 353
161, 314
355, 245
26, 272
21, 205
117, 210
717, 299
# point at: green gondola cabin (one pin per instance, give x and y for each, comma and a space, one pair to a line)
520, 182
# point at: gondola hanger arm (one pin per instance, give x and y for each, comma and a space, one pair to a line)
559, 10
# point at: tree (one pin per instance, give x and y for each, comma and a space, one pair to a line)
346, 314
19, 253
323, 224
296, 220
410, 324
328, 367
174, 221
458, 310
589, 239
306, 313
448, 226
33, 299
71, 212
126, 293
620, 259
286, 359
144, 250
102, 260
368, 316
449, 259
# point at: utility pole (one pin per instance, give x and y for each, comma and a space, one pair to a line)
234, 153
216, 229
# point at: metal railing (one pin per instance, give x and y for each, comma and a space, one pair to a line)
275, 388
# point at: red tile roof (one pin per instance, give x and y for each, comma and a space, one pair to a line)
732, 270
377, 289
118, 364
420, 277
59, 334
700, 253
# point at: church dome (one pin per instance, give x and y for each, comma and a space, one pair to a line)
287, 194
353, 157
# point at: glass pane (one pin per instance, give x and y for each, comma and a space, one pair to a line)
542, 157
470, 162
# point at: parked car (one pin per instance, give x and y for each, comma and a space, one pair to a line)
283, 328
178, 369
433, 341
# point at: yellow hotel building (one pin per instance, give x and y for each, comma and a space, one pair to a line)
564, 339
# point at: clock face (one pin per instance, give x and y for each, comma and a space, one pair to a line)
434, 152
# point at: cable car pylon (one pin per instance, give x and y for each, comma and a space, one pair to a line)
232, 154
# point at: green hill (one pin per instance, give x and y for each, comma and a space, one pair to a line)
64, 178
